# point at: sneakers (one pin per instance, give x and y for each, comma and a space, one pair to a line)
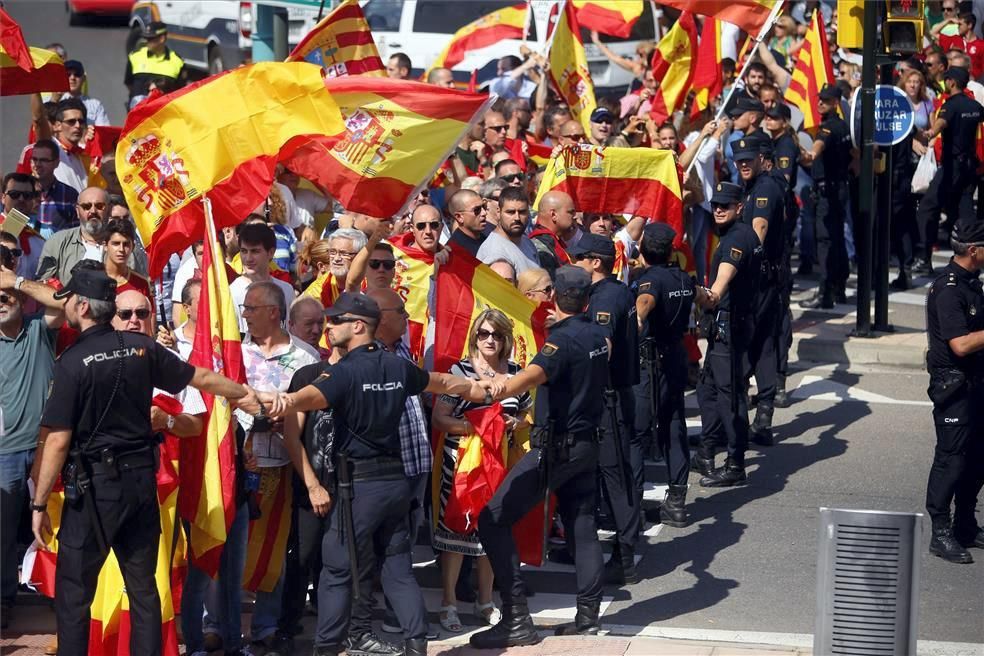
369, 644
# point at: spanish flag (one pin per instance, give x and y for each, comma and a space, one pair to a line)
46, 74
614, 17
412, 282
12, 42
481, 467
813, 70
341, 44
490, 29
179, 147
672, 65
569, 72
520, 151
750, 15
635, 181
395, 136
707, 82
207, 496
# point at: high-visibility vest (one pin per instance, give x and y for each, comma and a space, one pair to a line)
143, 63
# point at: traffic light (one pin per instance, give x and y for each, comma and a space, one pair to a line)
850, 23
902, 31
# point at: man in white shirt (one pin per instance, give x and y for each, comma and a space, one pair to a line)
69, 128
256, 246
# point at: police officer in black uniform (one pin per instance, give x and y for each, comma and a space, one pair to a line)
663, 305
731, 302
367, 391
98, 411
831, 158
612, 306
955, 322
764, 210
571, 369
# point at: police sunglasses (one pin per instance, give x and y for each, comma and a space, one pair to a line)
389, 265
142, 313
337, 321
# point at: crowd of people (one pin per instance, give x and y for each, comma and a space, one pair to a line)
312, 288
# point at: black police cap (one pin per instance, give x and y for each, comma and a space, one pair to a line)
745, 148
830, 92
746, 104
766, 147
593, 244
781, 110
90, 283
726, 193
659, 232
969, 231
572, 281
959, 75
354, 303
154, 30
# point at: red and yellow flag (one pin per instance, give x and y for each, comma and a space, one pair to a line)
395, 136
502, 24
614, 17
636, 181
266, 547
412, 282
341, 44
569, 72
47, 73
672, 65
480, 469
708, 81
12, 42
178, 147
813, 70
521, 150
749, 15
208, 467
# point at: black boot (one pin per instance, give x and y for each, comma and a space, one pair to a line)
730, 475
903, 282
840, 294
620, 568
782, 398
369, 644
760, 431
673, 512
328, 650
586, 620
515, 629
821, 300
415, 647
702, 465
971, 538
946, 546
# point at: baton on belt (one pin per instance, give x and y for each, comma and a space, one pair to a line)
348, 527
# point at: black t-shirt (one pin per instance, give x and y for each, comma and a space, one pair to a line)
368, 389
83, 383
765, 199
832, 165
955, 307
612, 306
470, 244
787, 158
962, 116
673, 291
575, 359
318, 435
740, 247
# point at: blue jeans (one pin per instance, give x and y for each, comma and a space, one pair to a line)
224, 596
266, 611
14, 470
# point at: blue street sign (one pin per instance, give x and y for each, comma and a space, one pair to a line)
894, 116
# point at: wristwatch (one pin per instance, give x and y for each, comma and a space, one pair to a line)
39, 507
170, 422
18, 281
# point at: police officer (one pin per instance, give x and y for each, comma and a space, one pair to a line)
735, 271
570, 369
664, 303
154, 60
98, 411
955, 322
831, 158
367, 391
764, 210
612, 306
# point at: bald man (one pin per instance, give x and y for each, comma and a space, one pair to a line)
425, 224
441, 77
133, 313
505, 269
555, 217
467, 210
495, 130
571, 133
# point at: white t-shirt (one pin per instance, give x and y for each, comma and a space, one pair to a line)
238, 289
71, 170
496, 247
308, 204
185, 273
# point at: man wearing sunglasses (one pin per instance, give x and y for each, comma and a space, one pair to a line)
601, 125
468, 213
95, 112
426, 226
133, 313
511, 173
19, 193
69, 130
382, 267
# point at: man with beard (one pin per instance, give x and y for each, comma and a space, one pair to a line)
509, 241
468, 213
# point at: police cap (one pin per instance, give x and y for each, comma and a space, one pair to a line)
766, 147
154, 30
90, 283
726, 193
969, 231
830, 92
745, 148
781, 110
593, 244
958, 74
746, 104
660, 233
572, 282
356, 303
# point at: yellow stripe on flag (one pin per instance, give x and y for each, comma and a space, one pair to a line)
569, 73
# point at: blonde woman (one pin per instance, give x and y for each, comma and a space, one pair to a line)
490, 343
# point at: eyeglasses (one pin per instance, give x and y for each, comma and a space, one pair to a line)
334, 252
88, 206
389, 265
433, 225
546, 290
142, 313
43, 160
18, 195
337, 321
497, 128
250, 308
72, 121
513, 177
485, 334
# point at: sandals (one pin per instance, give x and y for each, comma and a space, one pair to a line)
489, 613
450, 620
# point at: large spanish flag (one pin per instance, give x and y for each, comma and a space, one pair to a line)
707, 81
221, 136
614, 17
490, 29
412, 282
341, 44
569, 72
12, 42
396, 135
672, 65
813, 70
47, 73
636, 181
208, 468
750, 15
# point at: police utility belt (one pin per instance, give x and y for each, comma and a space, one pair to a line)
946, 383
380, 468
80, 466
559, 444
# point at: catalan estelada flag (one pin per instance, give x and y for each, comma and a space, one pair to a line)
341, 44
707, 82
414, 268
614, 17
750, 15
46, 74
813, 70
636, 181
569, 72
672, 65
12, 42
266, 547
396, 135
177, 147
207, 495
490, 29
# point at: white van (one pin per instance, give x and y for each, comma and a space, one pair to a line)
423, 28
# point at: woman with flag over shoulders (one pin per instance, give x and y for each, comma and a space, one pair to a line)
490, 344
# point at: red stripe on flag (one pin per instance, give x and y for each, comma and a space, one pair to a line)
16, 81
455, 305
272, 531
426, 99
606, 21
12, 41
480, 38
354, 38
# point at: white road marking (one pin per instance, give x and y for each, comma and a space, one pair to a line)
815, 388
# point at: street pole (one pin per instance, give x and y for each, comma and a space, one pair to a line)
883, 226
864, 231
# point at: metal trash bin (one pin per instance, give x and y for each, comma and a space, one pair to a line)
867, 583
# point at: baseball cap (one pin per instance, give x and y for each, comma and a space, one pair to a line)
155, 29
958, 74
593, 244
89, 282
356, 303
75, 66
726, 193
572, 281
602, 114
661, 233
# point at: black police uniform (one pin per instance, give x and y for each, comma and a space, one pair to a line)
786, 168
102, 391
367, 391
721, 388
570, 408
955, 308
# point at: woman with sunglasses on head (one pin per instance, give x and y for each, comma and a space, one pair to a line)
118, 237
490, 344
